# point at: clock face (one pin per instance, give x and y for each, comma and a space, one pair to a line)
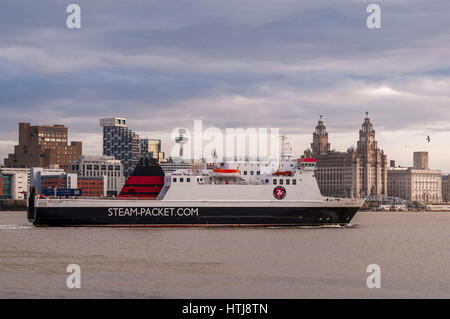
363, 139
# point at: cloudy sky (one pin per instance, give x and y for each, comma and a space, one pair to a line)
234, 63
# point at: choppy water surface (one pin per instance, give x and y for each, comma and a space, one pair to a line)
412, 249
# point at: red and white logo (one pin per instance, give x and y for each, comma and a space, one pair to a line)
279, 192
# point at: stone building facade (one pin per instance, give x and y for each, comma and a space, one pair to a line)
355, 173
417, 183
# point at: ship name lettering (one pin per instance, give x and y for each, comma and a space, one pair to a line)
110, 213
187, 211
156, 211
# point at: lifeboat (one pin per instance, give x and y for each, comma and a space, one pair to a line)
226, 173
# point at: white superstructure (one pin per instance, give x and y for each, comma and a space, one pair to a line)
247, 182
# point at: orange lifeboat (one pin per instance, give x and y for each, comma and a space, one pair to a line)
226, 173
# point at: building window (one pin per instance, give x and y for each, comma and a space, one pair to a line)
174, 179
294, 182
288, 182
274, 181
281, 182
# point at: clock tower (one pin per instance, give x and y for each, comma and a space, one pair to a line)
367, 135
320, 145
372, 160
355, 173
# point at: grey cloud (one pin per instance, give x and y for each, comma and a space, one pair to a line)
231, 63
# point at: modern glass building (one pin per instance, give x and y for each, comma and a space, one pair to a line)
125, 145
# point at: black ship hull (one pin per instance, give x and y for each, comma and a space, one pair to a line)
192, 216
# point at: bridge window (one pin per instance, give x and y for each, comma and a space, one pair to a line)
294, 182
281, 182
288, 182
174, 179
181, 179
188, 180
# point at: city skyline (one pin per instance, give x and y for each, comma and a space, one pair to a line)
168, 143
166, 63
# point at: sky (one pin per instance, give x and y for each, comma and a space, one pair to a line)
250, 63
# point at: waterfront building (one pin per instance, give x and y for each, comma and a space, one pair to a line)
99, 166
15, 182
93, 186
125, 145
36, 174
1, 186
358, 172
60, 181
43, 146
420, 160
446, 188
417, 183
152, 148
5, 186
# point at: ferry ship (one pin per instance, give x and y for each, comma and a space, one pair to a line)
229, 194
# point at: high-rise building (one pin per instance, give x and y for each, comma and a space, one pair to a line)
95, 166
43, 146
125, 145
355, 173
152, 148
122, 143
417, 183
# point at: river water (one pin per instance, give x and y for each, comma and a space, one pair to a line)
412, 250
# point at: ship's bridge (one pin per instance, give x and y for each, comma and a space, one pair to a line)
307, 164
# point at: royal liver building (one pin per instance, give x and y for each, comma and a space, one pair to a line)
355, 173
